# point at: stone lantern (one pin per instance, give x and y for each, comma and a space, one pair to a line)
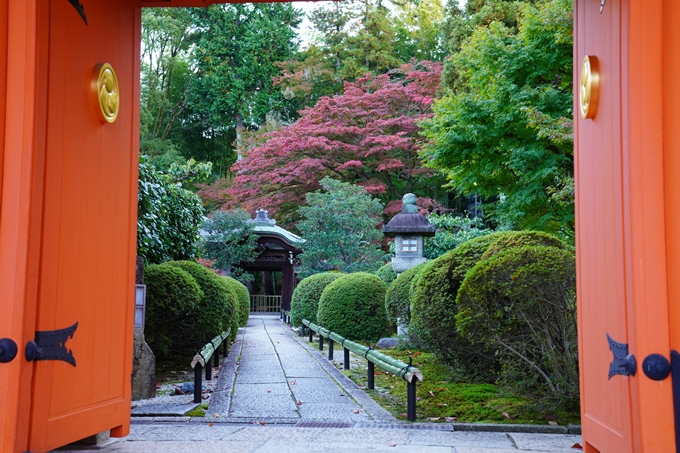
409, 228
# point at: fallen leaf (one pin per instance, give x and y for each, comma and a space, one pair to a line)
292, 382
299, 403
441, 389
356, 411
577, 447
391, 386
431, 392
443, 382
404, 415
391, 445
450, 419
256, 423
262, 423
418, 398
216, 415
506, 415
210, 424
269, 391
434, 419
377, 373
552, 423
442, 404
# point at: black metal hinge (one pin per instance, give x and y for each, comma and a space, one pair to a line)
51, 345
623, 363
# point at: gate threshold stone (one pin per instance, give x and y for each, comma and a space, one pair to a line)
163, 409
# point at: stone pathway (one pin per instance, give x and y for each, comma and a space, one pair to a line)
275, 376
276, 393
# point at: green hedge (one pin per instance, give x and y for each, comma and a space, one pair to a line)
522, 301
305, 300
172, 296
397, 298
216, 310
386, 274
510, 239
354, 307
242, 299
434, 309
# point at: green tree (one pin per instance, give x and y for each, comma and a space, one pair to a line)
168, 217
339, 227
418, 30
229, 240
237, 48
506, 132
165, 75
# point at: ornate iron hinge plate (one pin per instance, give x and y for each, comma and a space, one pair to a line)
623, 363
51, 345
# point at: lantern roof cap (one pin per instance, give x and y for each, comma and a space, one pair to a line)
409, 221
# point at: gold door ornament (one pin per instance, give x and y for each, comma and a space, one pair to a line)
589, 86
105, 92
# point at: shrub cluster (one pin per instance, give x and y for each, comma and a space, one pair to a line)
305, 300
172, 296
187, 305
354, 306
397, 298
386, 273
522, 301
503, 306
242, 299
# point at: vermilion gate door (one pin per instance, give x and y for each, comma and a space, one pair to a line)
621, 229
68, 219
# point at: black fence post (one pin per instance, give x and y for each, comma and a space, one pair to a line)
371, 375
345, 362
320, 342
208, 371
217, 357
411, 400
330, 349
303, 330
198, 384
311, 334
290, 321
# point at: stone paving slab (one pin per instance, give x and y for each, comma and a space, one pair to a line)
161, 409
189, 437
263, 407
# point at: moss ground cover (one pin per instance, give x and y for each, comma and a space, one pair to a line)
441, 399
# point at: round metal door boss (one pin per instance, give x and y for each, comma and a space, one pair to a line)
589, 86
105, 90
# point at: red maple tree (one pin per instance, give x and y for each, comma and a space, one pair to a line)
367, 136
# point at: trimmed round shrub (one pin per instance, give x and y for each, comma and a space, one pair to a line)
305, 300
386, 274
242, 299
216, 311
522, 302
397, 298
510, 239
354, 306
434, 309
172, 296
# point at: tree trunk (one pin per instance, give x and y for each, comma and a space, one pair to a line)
239, 136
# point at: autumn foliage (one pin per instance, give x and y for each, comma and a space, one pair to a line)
367, 136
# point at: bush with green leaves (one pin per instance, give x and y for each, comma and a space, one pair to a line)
433, 304
510, 239
172, 296
242, 299
215, 312
386, 273
354, 306
169, 217
397, 298
522, 302
305, 301
451, 232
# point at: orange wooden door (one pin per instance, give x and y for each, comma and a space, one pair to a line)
621, 231
68, 199
89, 224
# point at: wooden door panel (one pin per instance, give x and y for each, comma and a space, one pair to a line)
602, 283
89, 226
